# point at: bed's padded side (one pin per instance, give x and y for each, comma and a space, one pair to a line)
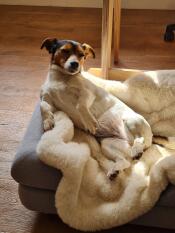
43, 201
27, 169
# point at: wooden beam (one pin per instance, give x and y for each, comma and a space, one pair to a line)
117, 17
116, 73
107, 22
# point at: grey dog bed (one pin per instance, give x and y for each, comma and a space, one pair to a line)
38, 182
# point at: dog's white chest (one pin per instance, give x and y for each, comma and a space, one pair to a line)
58, 86
64, 95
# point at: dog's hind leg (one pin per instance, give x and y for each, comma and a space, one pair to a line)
116, 150
105, 163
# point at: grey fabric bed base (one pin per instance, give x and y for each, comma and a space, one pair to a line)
43, 201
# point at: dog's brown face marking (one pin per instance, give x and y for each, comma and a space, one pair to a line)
68, 55
63, 53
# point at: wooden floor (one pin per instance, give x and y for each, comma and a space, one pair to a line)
23, 68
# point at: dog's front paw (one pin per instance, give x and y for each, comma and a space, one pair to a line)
92, 127
112, 174
48, 124
120, 165
137, 148
137, 156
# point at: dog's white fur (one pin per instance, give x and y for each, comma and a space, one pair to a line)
92, 108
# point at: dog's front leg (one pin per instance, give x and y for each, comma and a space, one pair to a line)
47, 110
85, 101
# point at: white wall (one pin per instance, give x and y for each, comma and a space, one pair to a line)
131, 4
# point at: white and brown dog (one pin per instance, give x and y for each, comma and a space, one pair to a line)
123, 134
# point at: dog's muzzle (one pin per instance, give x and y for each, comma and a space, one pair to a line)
73, 67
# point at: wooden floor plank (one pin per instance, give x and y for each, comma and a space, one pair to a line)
7, 152
13, 125
13, 216
18, 103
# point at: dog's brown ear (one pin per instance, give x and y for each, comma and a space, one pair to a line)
50, 44
88, 50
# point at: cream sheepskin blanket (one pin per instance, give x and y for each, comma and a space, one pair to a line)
85, 198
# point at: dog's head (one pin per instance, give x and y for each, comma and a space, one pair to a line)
69, 55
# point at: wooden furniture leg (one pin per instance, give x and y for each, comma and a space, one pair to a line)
116, 36
111, 15
107, 22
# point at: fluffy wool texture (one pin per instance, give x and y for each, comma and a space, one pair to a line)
150, 93
85, 198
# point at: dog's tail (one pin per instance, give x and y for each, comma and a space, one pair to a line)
165, 142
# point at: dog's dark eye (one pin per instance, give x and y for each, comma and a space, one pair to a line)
81, 55
65, 51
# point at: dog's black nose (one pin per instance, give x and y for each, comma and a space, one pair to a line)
74, 65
